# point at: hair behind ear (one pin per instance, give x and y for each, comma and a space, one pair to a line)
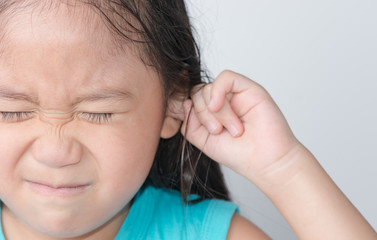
181, 166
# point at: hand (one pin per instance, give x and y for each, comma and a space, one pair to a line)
236, 123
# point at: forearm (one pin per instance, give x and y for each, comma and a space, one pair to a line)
312, 203
251, 137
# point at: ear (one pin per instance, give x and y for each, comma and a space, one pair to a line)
174, 117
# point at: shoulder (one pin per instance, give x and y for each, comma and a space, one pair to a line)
165, 214
206, 219
202, 213
241, 228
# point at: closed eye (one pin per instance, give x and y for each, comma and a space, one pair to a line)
15, 116
97, 117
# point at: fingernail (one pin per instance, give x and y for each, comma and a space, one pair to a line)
233, 130
211, 126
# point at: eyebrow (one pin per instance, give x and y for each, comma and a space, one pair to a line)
99, 95
104, 94
12, 95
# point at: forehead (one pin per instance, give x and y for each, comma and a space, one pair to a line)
66, 47
60, 19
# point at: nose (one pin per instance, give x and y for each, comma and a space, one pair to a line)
56, 152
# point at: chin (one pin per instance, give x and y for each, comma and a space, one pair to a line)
63, 226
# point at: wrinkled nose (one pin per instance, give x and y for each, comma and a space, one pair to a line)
56, 152
55, 147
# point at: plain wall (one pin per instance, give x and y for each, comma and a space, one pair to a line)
318, 60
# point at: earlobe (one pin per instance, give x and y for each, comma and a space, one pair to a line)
173, 119
170, 127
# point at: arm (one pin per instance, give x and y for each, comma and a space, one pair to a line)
237, 123
240, 228
312, 204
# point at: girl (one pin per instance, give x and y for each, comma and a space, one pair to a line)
104, 118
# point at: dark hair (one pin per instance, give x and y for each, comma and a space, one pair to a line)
164, 34
170, 47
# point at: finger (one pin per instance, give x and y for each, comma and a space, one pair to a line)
231, 83
192, 128
215, 121
205, 117
187, 104
229, 119
199, 136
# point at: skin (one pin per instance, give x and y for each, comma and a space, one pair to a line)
64, 174
236, 122
55, 61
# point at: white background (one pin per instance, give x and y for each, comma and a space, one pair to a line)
318, 59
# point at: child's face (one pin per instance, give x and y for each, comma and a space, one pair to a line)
63, 173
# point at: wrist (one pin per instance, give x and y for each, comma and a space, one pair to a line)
310, 201
287, 169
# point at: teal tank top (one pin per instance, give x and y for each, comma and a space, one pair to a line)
160, 214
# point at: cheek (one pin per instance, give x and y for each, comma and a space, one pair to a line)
124, 155
125, 159
13, 145
125, 152
128, 147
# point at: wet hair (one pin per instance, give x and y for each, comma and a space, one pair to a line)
162, 31
168, 42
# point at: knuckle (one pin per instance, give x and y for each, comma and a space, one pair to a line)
199, 107
200, 111
206, 91
226, 73
207, 88
197, 89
